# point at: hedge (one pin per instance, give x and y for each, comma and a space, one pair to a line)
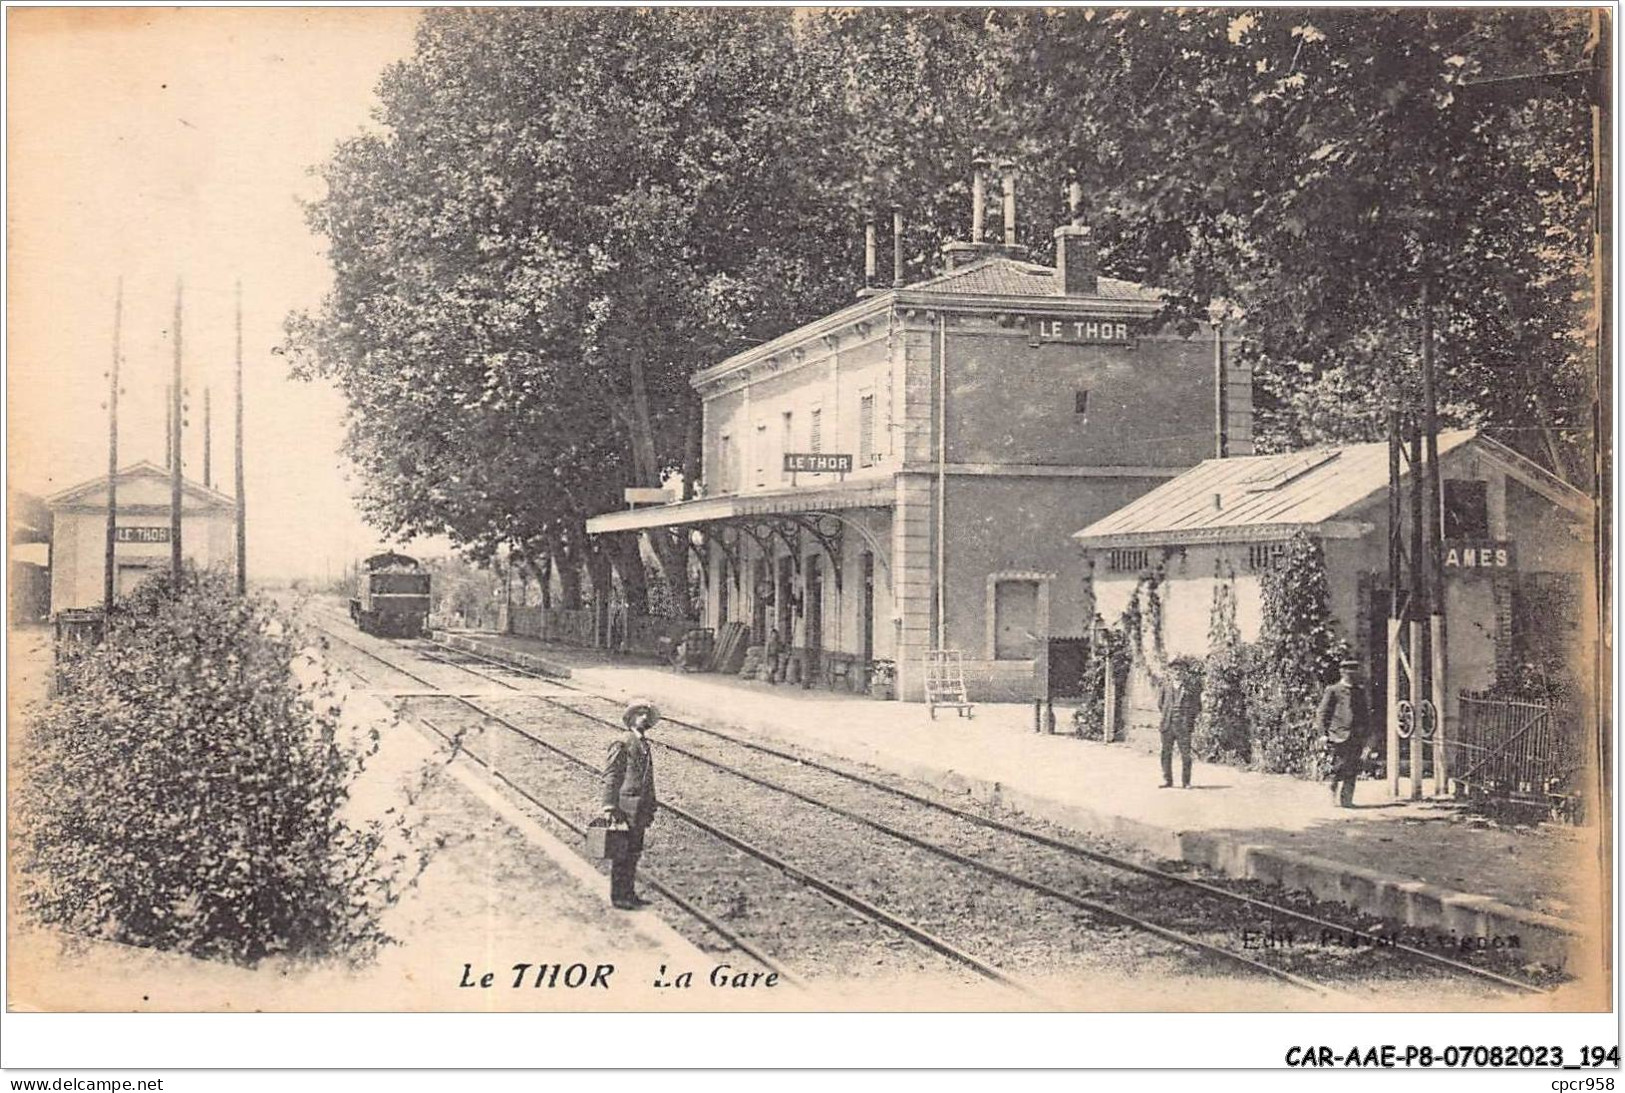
183, 791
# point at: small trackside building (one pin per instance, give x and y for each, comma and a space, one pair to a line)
1517, 556
904, 474
79, 533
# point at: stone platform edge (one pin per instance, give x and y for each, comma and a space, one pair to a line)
529, 661
1543, 937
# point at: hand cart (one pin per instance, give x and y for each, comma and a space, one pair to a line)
945, 682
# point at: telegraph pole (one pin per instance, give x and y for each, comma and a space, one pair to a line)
242, 528
1431, 562
208, 478
175, 449
110, 578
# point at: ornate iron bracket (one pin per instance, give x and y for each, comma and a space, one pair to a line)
828, 531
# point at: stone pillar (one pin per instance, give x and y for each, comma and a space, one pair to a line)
914, 594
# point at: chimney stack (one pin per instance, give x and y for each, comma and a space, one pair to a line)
1008, 167
869, 252
896, 247
978, 223
1077, 271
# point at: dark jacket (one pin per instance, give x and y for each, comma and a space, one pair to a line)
629, 779
1179, 704
1342, 716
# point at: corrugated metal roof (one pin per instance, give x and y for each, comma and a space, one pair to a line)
1295, 488
1001, 276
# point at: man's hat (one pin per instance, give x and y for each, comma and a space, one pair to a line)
636, 707
1348, 662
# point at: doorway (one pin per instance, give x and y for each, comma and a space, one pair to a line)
866, 610
1015, 620
785, 595
813, 606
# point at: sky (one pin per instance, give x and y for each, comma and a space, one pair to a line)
175, 146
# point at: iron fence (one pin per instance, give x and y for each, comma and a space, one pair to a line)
1524, 749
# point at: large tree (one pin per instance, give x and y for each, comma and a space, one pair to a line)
1315, 168
564, 214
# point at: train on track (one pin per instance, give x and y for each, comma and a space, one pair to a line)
391, 596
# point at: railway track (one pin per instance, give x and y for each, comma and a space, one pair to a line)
1206, 920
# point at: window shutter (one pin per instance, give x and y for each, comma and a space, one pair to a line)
866, 429
815, 441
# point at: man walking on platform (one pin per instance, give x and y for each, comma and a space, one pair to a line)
629, 798
1179, 699
1343, 721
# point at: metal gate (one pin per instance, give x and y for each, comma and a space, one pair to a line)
1525, 750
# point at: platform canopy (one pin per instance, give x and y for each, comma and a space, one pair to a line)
788, 501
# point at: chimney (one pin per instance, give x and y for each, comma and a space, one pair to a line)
896, 247
1077, 273
869, 252
1008, 167
978, 223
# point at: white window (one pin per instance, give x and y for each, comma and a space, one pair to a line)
866, 430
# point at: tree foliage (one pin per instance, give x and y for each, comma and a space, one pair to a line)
563, 214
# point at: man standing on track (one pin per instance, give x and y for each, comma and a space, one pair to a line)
1342, 720
629, 798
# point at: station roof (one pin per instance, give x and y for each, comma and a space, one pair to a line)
93, 494
868, 493
1003, 276
1252, 498
994, 283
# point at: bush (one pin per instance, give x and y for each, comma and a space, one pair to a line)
183, 791
1295, 658
1108, 650
1223, 730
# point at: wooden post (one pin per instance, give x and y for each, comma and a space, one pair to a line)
1441, 766
1109, 729
175, 554
1394, 652
1417, 694
110, 578
242, 510
208, 477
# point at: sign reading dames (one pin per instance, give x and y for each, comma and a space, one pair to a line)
816, 462
141, 535
1469, 556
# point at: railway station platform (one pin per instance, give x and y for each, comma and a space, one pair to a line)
1427, 863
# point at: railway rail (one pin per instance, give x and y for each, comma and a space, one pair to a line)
833, 895
1034, 861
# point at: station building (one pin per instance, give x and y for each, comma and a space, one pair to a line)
79, 533
1517, 557
905, 474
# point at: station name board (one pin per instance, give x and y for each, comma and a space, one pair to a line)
816, 462
1078, 331
1479, 556
141, 535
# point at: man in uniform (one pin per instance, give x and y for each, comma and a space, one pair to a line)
1179, 700
1342, 720
629, 798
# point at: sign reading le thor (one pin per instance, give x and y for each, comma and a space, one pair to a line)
1078, 331
816, 462
141, 535
1469, 556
